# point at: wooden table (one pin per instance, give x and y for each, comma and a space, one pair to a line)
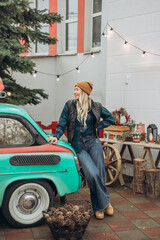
145, 151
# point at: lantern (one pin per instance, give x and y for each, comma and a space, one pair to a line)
154, 132
141, 127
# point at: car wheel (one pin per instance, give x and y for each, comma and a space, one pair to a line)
24, 202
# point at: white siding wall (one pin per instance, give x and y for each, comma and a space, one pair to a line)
46, 110
132, 81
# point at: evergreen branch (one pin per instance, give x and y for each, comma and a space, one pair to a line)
21, 26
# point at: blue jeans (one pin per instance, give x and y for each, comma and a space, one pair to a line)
92, 162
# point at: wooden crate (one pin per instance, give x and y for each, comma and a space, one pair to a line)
113, 129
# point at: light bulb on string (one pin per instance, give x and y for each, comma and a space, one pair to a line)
125, 44
9, 94
143, 54
110, 31
35, 74
78, 69
57, 78
104, 34
92, 55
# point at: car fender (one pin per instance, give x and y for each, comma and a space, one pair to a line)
55, 181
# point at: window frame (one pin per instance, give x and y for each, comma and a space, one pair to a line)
37, 138
44, 25
36, 44
68, 21
88, 28
97, 14
33, 52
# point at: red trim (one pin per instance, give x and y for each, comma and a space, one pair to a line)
101, 133
35, 149
52, 126
80, 33
53, 29
1, 85
24, 53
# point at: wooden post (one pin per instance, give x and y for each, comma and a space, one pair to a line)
144, 152
153, 183
139, 168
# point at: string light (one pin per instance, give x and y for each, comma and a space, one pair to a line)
110, 31
126, 43
78, 69
104, 34
35, 74
9, 94
92, 55
144, 52
58, 78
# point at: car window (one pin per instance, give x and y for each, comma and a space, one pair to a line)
12, 132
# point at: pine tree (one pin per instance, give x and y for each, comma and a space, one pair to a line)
20, 25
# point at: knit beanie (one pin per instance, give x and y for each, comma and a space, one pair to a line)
85, 86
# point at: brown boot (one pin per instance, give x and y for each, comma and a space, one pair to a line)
109, 210
99, 215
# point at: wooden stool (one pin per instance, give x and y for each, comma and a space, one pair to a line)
153, 183
139, 168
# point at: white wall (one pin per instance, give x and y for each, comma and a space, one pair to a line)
45, 111
132, 81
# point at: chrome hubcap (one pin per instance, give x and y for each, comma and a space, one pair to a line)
28, 202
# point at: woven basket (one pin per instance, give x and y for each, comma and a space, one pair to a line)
65, 233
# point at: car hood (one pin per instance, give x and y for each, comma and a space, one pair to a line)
66, 145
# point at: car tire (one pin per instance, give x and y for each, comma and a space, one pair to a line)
24, 202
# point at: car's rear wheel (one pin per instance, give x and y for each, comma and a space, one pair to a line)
24, 202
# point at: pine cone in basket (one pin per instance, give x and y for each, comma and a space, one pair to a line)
69, 218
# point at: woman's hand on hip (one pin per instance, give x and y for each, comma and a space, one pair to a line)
53, 140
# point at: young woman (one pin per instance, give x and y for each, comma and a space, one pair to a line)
82, 117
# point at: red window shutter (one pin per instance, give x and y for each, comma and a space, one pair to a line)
1, 84
80, 33
53, 29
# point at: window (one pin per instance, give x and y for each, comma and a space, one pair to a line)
12, 132
96, 23
39, 47
71, 25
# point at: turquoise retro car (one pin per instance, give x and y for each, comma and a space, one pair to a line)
32, 171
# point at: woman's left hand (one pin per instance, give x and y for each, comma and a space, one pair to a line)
53, 140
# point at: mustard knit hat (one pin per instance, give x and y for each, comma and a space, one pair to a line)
85, 86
